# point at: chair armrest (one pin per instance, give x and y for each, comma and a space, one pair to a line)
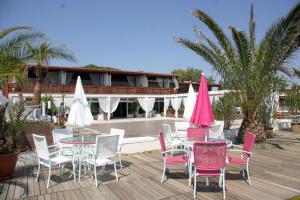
237, 150
239, 146
55, 152
177, 150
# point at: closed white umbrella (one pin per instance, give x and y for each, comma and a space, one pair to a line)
190, 103
80, 113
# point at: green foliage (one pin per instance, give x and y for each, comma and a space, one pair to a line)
53, 108
92, 66
191, 74
12, 54
245, 66
12, 123
267, 112
292, 100
224, 109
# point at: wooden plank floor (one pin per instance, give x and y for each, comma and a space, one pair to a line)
275, 175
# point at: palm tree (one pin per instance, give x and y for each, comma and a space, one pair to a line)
246, 66
40, 56
12, 54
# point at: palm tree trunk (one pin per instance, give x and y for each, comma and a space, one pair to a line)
36, 99
251, 123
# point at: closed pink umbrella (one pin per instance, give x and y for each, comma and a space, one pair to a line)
202, 114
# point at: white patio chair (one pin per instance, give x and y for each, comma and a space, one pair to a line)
179, 126
105, 153
216, 130
58, 134
48, 159
121, 133
181, 129
171, 138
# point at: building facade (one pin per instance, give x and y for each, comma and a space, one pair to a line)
111, 93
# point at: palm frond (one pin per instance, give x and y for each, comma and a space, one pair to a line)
218, 32
243, 47
10, 30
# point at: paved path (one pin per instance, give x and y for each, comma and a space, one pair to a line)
135, 128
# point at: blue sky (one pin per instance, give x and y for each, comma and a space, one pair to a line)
135, 34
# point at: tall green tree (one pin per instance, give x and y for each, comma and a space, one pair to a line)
247, 66
190, 74
40, 55
12, 54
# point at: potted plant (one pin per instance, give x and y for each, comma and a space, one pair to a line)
62, 122
12, 124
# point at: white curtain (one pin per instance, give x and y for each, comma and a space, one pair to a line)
175, 82
166, 83
69, 78
160, 82
184, 100
176, 103
109, 107
95, 78
142, 81
105, 79
57, 101
131, 80
166, 105
147, 105
68, 102
62, 77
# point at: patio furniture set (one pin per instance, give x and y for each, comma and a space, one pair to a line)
90, 151
202, 155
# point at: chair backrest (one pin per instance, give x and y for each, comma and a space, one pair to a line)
216, 130
41, 146
210, 155
218, 126
60, 133
162, 142
121, 133
106, 146
249, 142
181, 126
167, 131
196, 133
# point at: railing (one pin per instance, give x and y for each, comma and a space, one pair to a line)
92, 89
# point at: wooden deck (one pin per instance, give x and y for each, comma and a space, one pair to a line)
275, 175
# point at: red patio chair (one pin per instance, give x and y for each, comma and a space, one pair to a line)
196, 133
169, 159
246, 151
209, 160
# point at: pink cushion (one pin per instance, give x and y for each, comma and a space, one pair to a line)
236, 160
177, 159
203, 172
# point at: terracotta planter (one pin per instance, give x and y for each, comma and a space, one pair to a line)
8, 164
295, 127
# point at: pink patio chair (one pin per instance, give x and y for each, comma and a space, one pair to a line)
169, 158
246, 151
209, 160
196, 133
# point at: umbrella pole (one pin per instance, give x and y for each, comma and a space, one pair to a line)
206, 134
